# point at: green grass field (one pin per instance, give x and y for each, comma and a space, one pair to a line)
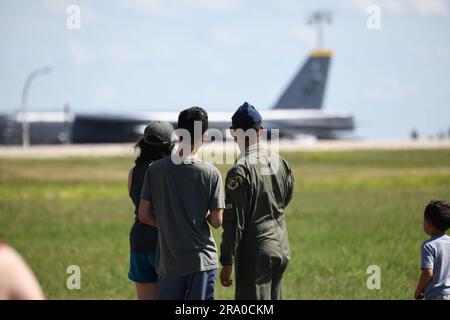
350, 210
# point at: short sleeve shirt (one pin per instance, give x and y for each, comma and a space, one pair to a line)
181, 195
435, 254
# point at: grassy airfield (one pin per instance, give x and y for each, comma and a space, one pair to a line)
351, 209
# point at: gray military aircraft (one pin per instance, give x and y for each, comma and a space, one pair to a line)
298, 112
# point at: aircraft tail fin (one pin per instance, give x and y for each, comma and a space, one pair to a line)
307, 89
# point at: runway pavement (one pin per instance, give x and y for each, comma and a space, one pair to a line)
102, 150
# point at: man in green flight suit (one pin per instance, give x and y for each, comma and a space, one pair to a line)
257, 190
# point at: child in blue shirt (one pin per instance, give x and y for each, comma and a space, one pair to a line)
434, 282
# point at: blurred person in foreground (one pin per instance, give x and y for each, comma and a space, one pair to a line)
258, 188
434, 282
17, 281
181, 195
155, 144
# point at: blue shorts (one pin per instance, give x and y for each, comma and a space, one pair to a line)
142, 267
196, 286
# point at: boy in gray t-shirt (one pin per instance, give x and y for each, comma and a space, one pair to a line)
434, 282
180, 195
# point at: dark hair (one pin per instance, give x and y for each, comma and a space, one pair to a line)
149, 153
438, 214
187, 119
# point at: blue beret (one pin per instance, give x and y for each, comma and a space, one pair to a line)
245, 117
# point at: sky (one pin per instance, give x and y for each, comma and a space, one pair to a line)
153, 55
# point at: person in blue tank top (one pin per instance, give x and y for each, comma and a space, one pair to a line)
156, 144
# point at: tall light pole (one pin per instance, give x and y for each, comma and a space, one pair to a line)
26, 89
320, 18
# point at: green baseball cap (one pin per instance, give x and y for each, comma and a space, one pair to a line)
158, 133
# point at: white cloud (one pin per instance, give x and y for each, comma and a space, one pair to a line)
122, 54
152, 7
303, 34
57, 6
215, 96
402, 7
172, 7
225, 37
213, 60
159, 51
214, 5
431, 52
442, 52
78, 53
119, 53
103, 96
395, 7
430, 7
394, 90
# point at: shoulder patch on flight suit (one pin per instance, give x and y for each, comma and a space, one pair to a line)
234, 178
233, 183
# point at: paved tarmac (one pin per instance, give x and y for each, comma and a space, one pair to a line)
101, 150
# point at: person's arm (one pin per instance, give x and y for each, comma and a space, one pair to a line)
425, 278
17, 281
234, 220
290, 185
215, 218
427, 263
130, 178
146, 214
216, 201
